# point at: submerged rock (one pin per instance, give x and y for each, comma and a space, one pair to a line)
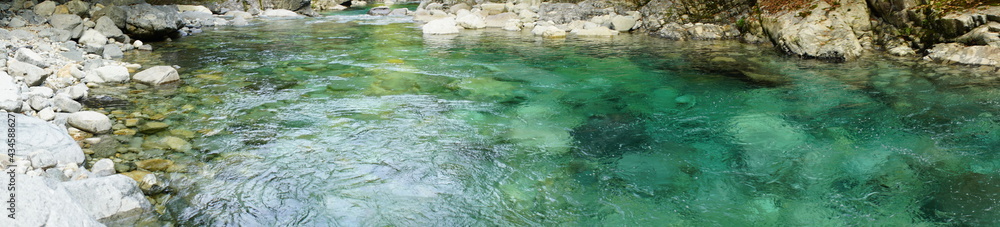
157, 75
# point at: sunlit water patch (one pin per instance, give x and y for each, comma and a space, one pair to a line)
357, 120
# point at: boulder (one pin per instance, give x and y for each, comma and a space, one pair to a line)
240, 21
93, 41
512, 25
623, 23
493, 8
33, 75
44, 204
279, 13
561, 13
112, 51
108, 198
441, 26
113, 73
471, 21
969, 55
64, 103
157, 75
10, 93
823, 31
595, 31
457, 7
379, 11
499, 20
78, 7
34, 134
90, 121
65, 21
108, 28
193, 8
145, 21
45, 8
29, 56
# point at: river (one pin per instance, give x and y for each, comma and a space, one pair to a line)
353, 120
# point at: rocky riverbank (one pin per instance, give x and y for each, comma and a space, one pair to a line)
834, 30
84, 156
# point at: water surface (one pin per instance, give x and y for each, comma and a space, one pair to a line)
353, 120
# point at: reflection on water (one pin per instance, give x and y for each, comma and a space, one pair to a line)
358, 120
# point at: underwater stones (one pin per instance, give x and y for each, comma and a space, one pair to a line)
157, 75
157, 164
90, 121
768, 141
548, 140
968, 198
176, 144
648, 172
153, 127
484, 88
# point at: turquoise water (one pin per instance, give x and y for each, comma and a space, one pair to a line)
353, 120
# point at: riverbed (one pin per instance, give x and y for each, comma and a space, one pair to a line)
349, 119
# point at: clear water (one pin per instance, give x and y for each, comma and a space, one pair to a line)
353, 120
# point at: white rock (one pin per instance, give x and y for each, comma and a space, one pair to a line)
47, 205
10, 93
33, 75
595, 31
113, 73
93, 40
42, 159
493, 8
35, 134
441, 26
103, 167
193, 8
47, 114
239, 14
29, 56
45, 9
64, 103
471, 21
108, 197
623, 23
499, 20
512, 25
107, 28
239, 21
137, 43
279, 13
157, 75
77, 91
90, 121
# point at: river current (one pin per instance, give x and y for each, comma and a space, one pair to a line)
354, 120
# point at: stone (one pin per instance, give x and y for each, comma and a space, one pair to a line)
457, 7
595, 31
153, 127
157, 164
823, 31
78, 7
112, 51
47, 205
471, 21
33, 75
110, 197
47, 114
10, 93
108, 28
39, 102
42, 159
103, 167
78, 91
194, 8
16, 22
150, 184
147, 21
90, 121
969, 55
176, 144
902, 50
93, 41
512, 25
157, 75
113, 73
623, 23
493, 8
379, 11
399, 12
441, 26
29, 56
279, 13
65, 21
45, 8
239, 22
63, 103
35, 134
239, 14
499, 20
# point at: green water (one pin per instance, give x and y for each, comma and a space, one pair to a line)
351, 120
